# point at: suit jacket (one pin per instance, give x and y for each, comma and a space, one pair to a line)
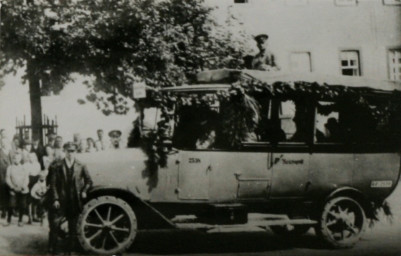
68, 191
263, 60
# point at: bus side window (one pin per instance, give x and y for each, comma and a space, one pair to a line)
294, 119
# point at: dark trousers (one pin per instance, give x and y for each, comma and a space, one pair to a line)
56, 219
4, 199
17, 202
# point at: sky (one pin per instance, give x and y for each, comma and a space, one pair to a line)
72, 117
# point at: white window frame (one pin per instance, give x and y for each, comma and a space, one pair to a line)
346, 55
301, 52
394, 64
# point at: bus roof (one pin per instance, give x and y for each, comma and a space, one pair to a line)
228, 76
221, 79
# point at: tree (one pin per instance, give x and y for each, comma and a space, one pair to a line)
119, 42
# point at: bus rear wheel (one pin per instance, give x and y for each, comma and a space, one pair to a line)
107, 226
342, 222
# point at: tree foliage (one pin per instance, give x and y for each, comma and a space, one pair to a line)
119, 42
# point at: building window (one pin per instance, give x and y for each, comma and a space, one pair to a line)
240, 1
395, 64
350, 63
300, 62
345, 2
392, 2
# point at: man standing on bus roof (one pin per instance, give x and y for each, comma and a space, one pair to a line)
265, 59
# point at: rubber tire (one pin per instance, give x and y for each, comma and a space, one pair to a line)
324, 234
298, 230
89, 206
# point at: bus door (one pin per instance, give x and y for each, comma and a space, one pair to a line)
289, 161
290, 169
332, 160
193, 175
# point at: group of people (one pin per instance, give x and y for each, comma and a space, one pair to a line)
36, 179
90, 145
22, 180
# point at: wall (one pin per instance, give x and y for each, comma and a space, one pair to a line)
324, 29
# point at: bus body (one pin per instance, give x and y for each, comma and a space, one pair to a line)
308, 169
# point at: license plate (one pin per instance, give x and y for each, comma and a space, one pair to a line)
381, 184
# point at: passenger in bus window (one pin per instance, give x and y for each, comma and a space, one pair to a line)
207, 142
251, 137
333, 133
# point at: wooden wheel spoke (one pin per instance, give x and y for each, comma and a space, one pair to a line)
104, 241
95, 235
352, 228
109, 213
335, 215
117, 219
331, 223
114, 238
120, 229
339, 209
98, 215
93, 225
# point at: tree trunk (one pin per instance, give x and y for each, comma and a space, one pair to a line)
36, 103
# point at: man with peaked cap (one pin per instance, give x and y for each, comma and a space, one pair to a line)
265, 59
115, 138
69, 183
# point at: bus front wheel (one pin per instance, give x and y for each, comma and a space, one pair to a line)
107, 226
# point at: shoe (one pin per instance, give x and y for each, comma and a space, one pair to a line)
7, 224
20, 224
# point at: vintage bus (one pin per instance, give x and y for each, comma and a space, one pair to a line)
304, 150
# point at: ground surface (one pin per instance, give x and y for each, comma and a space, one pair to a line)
384, 239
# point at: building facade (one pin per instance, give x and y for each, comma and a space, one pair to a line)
348, 37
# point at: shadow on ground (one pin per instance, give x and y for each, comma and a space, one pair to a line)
180, 242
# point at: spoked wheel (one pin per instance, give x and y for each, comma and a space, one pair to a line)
107, 225
290, 230
342, 222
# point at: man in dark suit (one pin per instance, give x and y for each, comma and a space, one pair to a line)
69, 183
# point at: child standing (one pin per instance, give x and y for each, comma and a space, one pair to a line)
32, 165
17, 179
38, 193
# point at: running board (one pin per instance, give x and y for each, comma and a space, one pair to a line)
252, 224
